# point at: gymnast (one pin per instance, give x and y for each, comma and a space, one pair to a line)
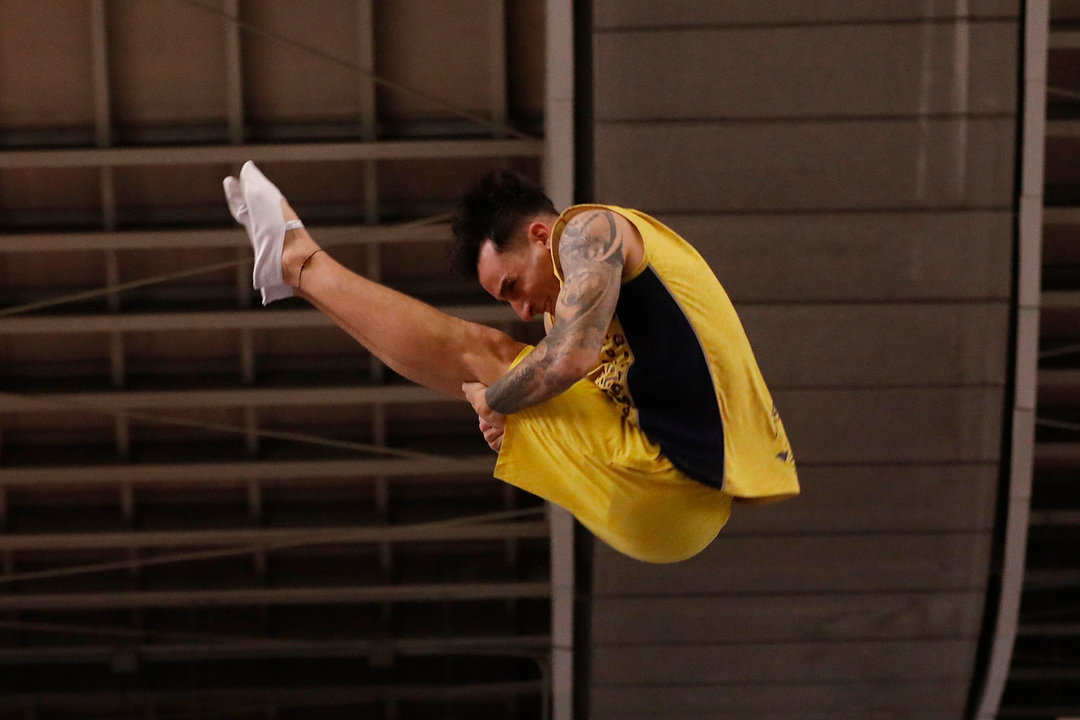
642, 411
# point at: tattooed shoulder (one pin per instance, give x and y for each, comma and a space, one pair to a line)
591, 237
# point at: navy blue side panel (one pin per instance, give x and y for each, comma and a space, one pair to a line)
670, 381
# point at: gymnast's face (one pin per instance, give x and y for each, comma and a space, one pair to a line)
522, 274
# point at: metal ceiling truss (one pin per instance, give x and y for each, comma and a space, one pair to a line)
366, 565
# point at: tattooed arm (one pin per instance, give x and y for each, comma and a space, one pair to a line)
592, 253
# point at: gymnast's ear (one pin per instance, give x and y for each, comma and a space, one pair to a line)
539, 232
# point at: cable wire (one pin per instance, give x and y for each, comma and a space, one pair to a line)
341, 62
317, 537
233, 429
188, 272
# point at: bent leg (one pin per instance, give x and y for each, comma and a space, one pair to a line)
577, 451
413, 338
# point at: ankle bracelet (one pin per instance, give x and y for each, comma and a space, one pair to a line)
300, 276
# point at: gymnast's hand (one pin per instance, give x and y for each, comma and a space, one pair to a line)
492, 424
493, 435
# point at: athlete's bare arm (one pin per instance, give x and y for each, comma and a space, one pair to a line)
592, 251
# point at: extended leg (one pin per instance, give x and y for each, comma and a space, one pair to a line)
416, 340
413, 338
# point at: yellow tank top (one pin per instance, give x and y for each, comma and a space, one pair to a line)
677, 360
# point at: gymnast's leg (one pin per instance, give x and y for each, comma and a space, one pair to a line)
414, 339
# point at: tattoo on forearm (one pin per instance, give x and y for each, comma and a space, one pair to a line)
591, 253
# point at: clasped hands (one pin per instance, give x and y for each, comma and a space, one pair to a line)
492, 424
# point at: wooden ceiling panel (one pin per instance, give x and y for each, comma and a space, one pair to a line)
146, 426
19, 350
53, 270
49, 196
287, 84
166, 64
45, 68
525, 37
418, 260
160, 99
321, 420
448, 411
438, 47
401, 181
333, 189
194, 188
61, 420
140, 264
310, 343
182, 344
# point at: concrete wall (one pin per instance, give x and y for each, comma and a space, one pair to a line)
848, 170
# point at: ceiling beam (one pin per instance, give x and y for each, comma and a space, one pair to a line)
225, 320
328, 235
149, 322
321, 696
229, 474
282, 152
345, 595
234, 72
227, 398
44, 542
262, 648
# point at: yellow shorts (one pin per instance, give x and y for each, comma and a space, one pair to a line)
576, 451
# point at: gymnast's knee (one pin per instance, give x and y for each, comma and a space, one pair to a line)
493, 352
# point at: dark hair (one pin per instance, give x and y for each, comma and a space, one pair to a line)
493, 208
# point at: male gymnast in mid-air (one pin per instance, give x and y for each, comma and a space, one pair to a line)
642, 411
